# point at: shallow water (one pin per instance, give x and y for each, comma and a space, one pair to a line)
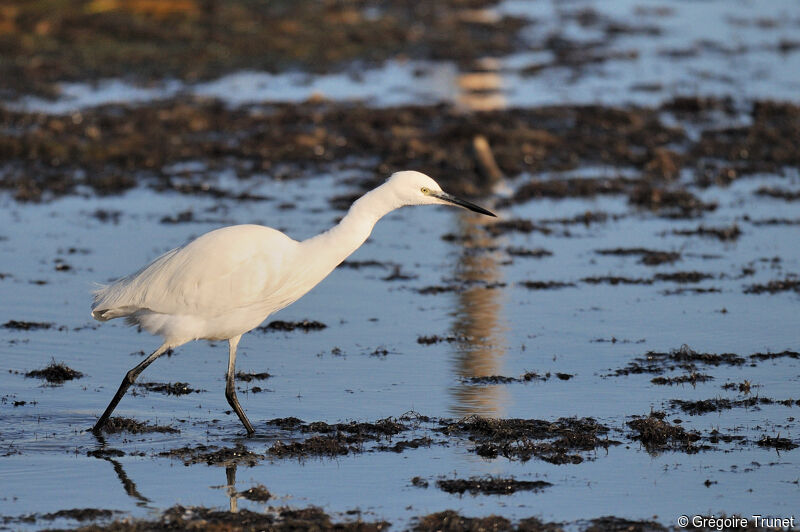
516, 330
342, 372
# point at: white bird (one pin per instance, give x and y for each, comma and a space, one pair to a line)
226, 282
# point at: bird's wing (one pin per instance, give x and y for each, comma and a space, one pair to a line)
226, 269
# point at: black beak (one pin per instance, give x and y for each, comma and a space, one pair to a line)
462, 203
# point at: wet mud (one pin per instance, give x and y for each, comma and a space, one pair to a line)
690, 378
214, 455
288, 326
774, 287
116, 147
117, 424
55, 373
724, 234
683, 358
256, 493
564, 441
546, 285
200, 518
77, 514
648, 257
705, 406
656, 434
26, 325
490, 485
536, 253
168, 388
241, 376
142, 38
526, 377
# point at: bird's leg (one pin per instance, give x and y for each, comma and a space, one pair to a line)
129, 379
230, 385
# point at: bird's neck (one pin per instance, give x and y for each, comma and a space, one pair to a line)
330, 248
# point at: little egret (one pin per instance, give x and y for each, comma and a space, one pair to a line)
226, 282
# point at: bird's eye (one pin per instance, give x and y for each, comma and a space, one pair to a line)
424, 190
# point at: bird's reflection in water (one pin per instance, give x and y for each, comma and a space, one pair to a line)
104, 453
127, 484
233, 495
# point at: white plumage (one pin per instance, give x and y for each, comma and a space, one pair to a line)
226, 282
245, 273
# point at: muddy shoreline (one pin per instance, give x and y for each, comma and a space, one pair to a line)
112, 149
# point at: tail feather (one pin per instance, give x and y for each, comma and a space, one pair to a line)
105, 308
105, 314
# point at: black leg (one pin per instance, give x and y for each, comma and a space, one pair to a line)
230, 386
129, 379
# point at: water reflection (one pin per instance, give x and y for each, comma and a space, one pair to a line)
482, 88
478, 323
104, 453
233, 495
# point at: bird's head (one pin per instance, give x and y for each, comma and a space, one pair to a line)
416, 188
